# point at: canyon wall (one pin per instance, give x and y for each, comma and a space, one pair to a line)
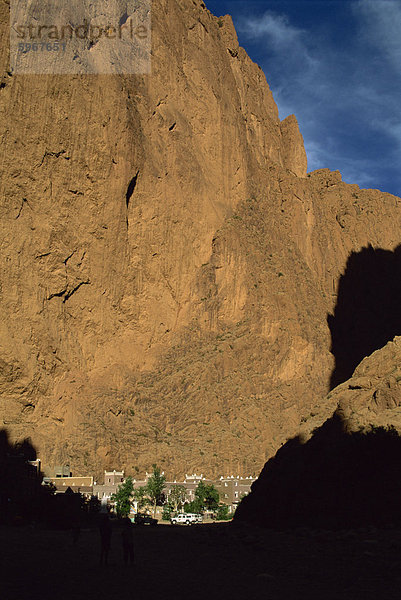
167, 265
342, 473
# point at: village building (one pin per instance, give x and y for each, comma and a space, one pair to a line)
231, 489
57, 471
82, 485
104, 491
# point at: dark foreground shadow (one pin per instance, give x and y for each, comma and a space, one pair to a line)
20, 480
23, 498
367, 314
336, 480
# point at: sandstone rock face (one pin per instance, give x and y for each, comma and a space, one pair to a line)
294, 155
167, 266
342, 471
372, 396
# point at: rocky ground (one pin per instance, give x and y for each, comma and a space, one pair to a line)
209, 561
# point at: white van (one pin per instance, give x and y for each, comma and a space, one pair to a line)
186, 519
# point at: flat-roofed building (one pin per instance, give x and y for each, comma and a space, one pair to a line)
57, 471
112, 480
232, 489
82, 485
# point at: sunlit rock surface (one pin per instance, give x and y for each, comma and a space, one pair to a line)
167, 266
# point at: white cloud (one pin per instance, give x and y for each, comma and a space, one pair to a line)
357, 170
392, 128
360, 172
278, 34
344, 95
381, 26
316, 155
274, 25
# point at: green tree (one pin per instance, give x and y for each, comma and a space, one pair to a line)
211, 497
167, 510
206, 497
195, 506
122, 498
222, 513
177, 497
155, 486
142, 498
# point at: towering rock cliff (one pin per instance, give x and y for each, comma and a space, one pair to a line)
167, 265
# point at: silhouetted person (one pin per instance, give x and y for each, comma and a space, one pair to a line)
75, 530
105, 538
128, 542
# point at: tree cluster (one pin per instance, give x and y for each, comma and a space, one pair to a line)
206, 498
152, 495
149, 495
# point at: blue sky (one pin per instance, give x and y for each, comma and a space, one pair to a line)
335, 64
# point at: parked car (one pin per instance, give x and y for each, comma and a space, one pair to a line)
141, 519
186, 519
